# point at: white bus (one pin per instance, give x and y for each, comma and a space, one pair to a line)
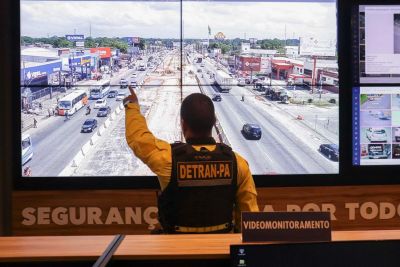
26, 148
72, 102
100, 89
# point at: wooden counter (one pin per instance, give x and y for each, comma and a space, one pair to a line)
144, 247
157, 247
52, 248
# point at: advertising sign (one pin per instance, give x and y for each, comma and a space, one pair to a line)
85, 60
103, 52
310, 46
286, 226
80, 44
75, 37
249, 64
33, 72
136, 40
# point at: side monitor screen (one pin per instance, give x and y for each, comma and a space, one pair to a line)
270, 68
378, 44
376, 91
376, 125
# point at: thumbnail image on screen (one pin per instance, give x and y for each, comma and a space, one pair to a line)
272, 75
377, 45
376, 126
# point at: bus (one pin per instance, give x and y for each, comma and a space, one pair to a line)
72, 102
100, 89
26, 148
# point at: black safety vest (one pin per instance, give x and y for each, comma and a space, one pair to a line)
202, 189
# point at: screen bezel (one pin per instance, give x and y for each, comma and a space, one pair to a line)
347, 175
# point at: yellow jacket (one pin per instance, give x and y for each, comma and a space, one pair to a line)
156, 154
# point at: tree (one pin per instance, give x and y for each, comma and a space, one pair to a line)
89, 42
142, 44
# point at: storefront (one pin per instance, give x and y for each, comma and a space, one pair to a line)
35, 78
77, 67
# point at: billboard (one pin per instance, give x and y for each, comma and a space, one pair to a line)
311, 46
249, 64
103, 52
30, 73
80, 44
75, 37
136, 40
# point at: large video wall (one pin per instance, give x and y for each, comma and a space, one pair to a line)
270, 68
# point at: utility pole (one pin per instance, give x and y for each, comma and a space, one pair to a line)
285, 34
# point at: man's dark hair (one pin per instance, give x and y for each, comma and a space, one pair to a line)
197, 110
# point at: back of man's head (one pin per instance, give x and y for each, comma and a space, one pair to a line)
197, 111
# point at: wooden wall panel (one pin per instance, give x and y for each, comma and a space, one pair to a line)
134, 211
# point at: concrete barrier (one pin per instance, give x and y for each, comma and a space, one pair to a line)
107, 123
85, 148
94, 139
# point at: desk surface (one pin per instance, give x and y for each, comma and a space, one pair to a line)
144, 247
38, 248
158, 247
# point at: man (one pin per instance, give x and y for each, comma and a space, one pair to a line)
202, 182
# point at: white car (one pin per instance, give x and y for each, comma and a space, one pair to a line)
134, 84
241, 82
376, 135
120, 96
133, 76
101, 103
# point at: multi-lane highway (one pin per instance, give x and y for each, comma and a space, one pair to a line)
279, 151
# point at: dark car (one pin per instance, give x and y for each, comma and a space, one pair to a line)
216, 97
89, 125
330, 150
252, 131
112, 94
103, 112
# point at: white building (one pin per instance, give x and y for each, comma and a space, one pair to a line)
245, 47
39, 54
292, 51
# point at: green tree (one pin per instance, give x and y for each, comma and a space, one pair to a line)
90, 42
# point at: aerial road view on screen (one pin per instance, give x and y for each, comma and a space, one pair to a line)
270, 72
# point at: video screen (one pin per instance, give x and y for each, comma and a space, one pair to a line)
376, 126
272, 76
377, 44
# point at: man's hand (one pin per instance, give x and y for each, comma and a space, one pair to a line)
132, 98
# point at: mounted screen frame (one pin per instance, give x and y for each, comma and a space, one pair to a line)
380, 174
347, 174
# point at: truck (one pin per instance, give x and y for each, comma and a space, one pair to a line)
276, 92
298, 79
224, 81
142, 67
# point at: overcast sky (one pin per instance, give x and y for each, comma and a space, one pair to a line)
162, 19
